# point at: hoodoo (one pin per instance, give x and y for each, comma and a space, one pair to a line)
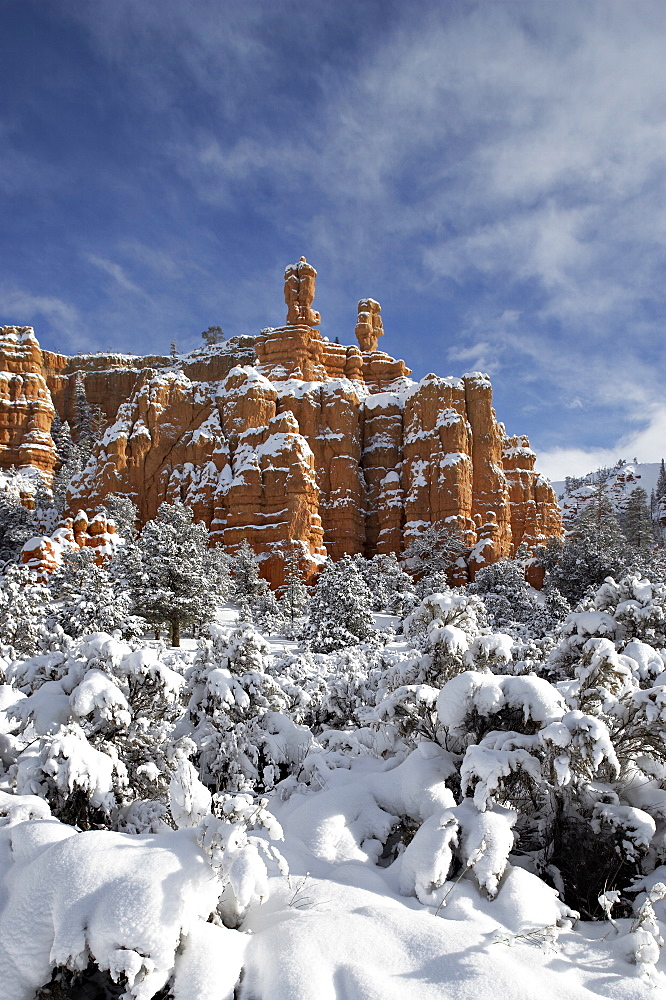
287, 437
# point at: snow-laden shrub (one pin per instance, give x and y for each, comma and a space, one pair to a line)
266, 613
473, 704
237, 715
391, 588
150, 910
637, 606
93, 731
89, 598
340, 609
446, 630
511, 604
24, 610
563, 766
631, 611
450, 607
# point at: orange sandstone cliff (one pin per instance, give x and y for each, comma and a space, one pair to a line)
286, 437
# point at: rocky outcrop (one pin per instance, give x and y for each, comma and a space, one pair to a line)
535, 513
26, 408
369, 326
44, 553
299, 292
287, 437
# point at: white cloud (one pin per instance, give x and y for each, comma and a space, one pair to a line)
510, 156
115, 271
23, 308
646, 444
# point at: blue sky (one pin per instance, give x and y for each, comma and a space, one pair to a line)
492, 172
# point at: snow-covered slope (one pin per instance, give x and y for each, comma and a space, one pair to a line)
620, 481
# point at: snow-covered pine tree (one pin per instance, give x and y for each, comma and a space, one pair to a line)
392, 589
87, 599
594, 549
340, 610
267, 613
218, 571
63, 477
16, 526
122, 510
294, 594
660, 488
245, 573
510, 602
637, 522
24, 607
88, 420
61, 433
172, 585
432, 553
46, 514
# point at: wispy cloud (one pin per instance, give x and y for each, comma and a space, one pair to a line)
21, 307
493, 171
646, 444
115, 271
19, 304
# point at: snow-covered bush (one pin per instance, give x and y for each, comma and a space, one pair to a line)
392, 589
512, 605
24, 610
92, 733
237, 715
150, 911
88, 599
340, 609
454, 765
560, 760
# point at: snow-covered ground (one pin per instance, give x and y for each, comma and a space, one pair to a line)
336, 928
622, 481
369, 840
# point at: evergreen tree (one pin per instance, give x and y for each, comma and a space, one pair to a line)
16, 526
88, 420
658, 507
245, 573
87, 599
218, 571
266, 613
392, 589
62, 439
295, 595
340, 611
637, 522
433, 552
594, 549
24, 606
660, 488
123, 512
505, 592
69, 462
46, 514
213, 335
172, 586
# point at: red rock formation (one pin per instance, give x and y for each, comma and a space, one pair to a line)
369, 326
43, 554
535, 513
287, 437
299, 292
26, 409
